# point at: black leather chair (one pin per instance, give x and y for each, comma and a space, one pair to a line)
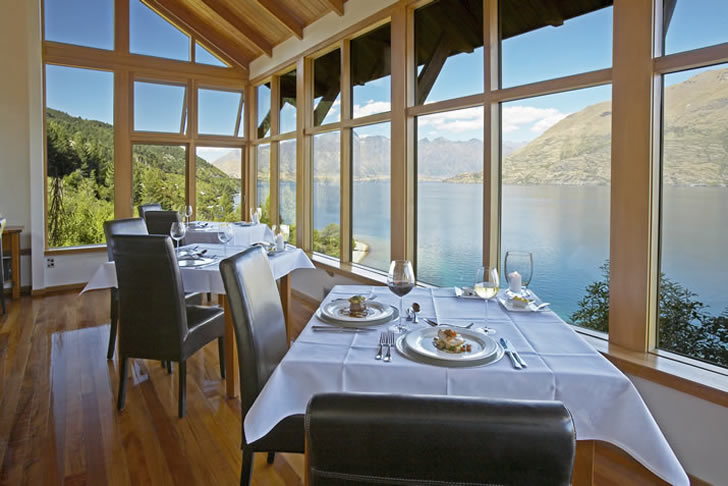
414, 440
260, 332
143, 208
160, 222
157, 323
3, 221
129, 226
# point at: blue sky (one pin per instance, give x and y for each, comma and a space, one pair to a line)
581, 44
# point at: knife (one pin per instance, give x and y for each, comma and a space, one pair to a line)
340, 329
515, 353
508, 351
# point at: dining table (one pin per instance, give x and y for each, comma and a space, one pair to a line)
244, 233
561, 365
208, 279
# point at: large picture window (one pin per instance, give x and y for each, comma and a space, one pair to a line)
263, 181
327, 193
287, 187
218, 183
693, 301
159, 176
88, 23
80, 155
160, 107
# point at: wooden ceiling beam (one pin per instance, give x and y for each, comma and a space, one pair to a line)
284, 16
231, 17
336, 5
178, 14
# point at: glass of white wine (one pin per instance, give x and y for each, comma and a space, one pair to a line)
486, 285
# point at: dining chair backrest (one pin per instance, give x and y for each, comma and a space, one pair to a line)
407, 439
160, 222
257, 314
144, 208
3, 222
126, 226
151, 297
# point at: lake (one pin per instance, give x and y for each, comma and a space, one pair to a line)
565, 227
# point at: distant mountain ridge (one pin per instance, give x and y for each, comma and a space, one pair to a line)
576, 150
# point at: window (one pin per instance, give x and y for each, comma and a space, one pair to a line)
448, 50
326, 193
371, 73
555, 197
219, 112
449, 196
88, 23
553, 41
264, 110
218, 183
203, 56
371, 196
693, 306
80, 155
694, 24
152, 35
287, 187
160, 107
288, 102
263, 182
159, 176
327, 88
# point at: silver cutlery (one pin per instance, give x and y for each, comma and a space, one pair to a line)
515, 353
389, 343
344, 330
435, 324
353, 328
509, 352
541, 306
382, 341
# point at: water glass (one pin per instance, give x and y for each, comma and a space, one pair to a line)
486, 285
225, 235
521, 262
188, 214
177, 232
400, 280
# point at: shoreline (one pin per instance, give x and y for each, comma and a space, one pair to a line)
360, 252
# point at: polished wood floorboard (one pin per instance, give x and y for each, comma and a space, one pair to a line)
58, 417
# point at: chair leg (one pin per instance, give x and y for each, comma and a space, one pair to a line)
123, 376
112, 333
221, 355
170, 367
246, 472
271, 457
163, 363
182, 388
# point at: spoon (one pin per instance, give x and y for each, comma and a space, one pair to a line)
541, 306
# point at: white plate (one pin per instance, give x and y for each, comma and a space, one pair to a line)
339, 311
195, 262
531, 307
420, 341
392, 317
408, 353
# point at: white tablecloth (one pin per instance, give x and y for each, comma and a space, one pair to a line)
242, 235
208, 279
561, 366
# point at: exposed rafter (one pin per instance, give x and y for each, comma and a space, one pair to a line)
284, 16
190, 22
336, 5
227, 14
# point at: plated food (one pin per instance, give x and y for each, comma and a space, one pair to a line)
450, 341
358, 306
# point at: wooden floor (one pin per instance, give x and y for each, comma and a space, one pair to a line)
58, 419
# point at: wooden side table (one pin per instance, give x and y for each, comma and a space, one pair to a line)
11, 244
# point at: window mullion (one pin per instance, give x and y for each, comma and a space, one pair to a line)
346, 155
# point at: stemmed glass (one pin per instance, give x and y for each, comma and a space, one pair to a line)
188, 214
286, 230
486, 286
177, 232
255, 215
225, 235
400, 280
521, 262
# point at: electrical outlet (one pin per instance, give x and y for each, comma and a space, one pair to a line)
50, 263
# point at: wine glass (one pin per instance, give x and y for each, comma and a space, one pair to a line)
286, 230
400, 280
225, 235
486, 286
188, 214
177, 232
521, 262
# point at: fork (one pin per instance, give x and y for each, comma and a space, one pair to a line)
382, 342
389, 342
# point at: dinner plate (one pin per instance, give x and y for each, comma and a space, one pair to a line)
402, 348
339, 311
420, 341
195, 262
508, 303
389, 317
